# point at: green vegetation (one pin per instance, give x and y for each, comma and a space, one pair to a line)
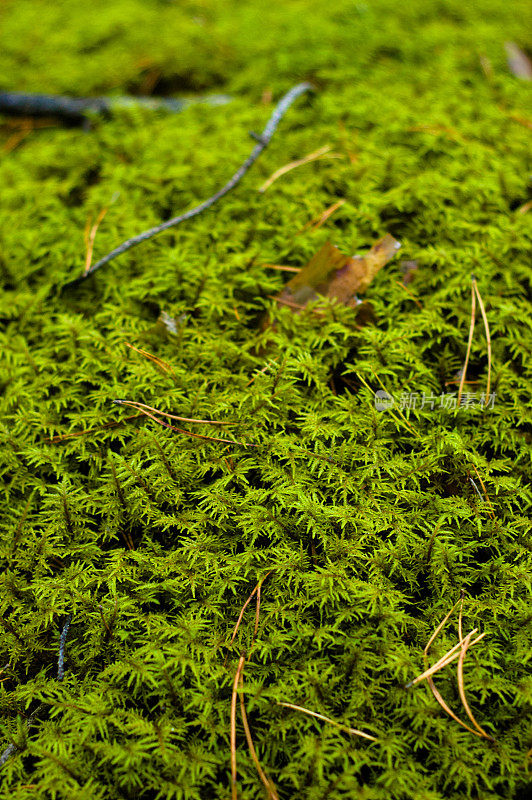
153, 539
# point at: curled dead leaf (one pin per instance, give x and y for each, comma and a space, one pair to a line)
330, 273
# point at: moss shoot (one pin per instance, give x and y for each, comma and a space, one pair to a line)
368, 519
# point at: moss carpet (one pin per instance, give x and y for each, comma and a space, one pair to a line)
366, 525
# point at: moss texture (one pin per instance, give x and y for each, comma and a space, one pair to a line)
153, 540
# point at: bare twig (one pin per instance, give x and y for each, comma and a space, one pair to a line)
12, 748
262, 142
77, 109
62, 642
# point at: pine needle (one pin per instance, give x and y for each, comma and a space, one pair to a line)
255, 591
346, 728
448, 710
90, 236
446, 659
240, 667
469, 342
486, 496
143, 406
281, 267
488, 338
456, 652
268, 784
171, 416
317, 222
460, 675
323, 152
157, 361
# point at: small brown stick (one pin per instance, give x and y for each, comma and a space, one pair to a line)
346, 728
488, 338
469, 342
460, 675
323, 152
268, 784
236, 681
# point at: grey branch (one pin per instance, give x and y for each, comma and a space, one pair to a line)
12, 748
79, 109
262, 142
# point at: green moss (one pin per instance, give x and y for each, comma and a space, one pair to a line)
341, 499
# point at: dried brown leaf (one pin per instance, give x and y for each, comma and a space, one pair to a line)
330, 273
